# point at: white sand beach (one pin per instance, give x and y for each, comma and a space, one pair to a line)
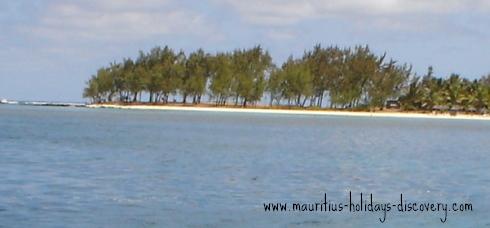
293, 112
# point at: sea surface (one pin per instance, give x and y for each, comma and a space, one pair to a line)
80, 167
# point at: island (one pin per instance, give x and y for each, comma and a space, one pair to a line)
325, 80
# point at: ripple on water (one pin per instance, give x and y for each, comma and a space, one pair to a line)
137, 168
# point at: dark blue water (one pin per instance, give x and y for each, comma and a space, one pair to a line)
120, 168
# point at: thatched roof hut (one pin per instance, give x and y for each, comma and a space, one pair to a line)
484, 111
393, 104
440, 108
456, 108
472, 110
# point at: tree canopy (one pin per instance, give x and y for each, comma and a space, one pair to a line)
334, 77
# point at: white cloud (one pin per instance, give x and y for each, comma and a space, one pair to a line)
288, 12
119, 20
281, 35
388, 7
271, 12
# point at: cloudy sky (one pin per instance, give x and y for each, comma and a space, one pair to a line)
49, 48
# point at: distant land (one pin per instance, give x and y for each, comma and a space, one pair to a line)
42, 103
334, 78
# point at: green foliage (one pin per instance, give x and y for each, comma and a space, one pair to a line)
222, 78
455, 93
196, 75
249, 69
293, 82
353, 78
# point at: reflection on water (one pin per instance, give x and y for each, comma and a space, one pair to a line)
85, 167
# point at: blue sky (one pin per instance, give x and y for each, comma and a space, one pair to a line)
49, 48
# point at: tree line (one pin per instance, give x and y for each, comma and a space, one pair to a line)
333, 77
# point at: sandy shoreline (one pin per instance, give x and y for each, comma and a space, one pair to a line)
292, 112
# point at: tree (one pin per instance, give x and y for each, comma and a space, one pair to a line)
350, 89
325, 65
411, 95
386, 83
485, 87
297, 81
105, 83
196, 76
453, 90
92, 90
222, 78
134, 78
348, 77
275, 85
250, 69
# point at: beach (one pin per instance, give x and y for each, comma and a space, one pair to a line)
391, 114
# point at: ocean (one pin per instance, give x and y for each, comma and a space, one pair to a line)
81, 167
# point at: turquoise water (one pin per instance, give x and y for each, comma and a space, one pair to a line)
124, 168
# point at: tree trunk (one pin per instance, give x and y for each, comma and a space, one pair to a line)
157, 96
320, 100
135, 96
184, 98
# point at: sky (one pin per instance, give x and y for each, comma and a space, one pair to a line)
50, 48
